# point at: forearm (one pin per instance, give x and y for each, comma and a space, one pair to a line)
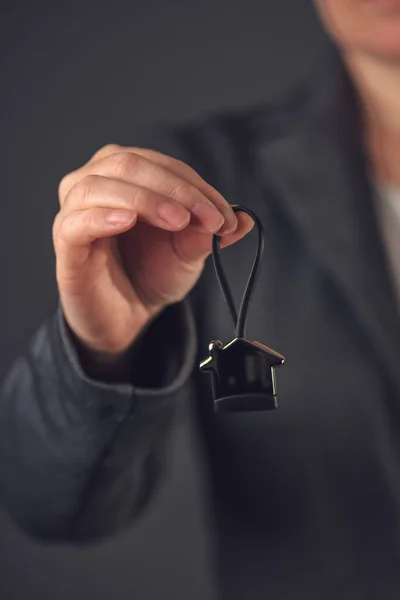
79, 458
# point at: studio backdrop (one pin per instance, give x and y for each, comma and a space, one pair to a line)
75, 76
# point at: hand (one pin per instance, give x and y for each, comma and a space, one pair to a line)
133, 232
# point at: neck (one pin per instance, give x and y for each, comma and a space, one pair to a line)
378, 85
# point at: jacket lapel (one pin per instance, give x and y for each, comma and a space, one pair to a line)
319, 172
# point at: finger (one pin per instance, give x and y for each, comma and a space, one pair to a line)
187, 173
193, 248
176, 166
245, 225
138, 170
74, 232
161, 174
152, 207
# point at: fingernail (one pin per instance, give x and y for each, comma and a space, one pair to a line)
231, 221
173, 214
120, 217
208, 216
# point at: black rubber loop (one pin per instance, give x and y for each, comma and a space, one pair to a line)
239, 320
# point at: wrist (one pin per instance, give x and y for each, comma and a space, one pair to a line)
108, 366
104, 366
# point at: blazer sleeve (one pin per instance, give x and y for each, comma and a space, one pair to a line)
79, 458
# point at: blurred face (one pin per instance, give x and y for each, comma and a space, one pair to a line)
369, 26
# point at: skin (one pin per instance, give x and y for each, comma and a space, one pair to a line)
118, 263
369, 27
368, 35
131, 236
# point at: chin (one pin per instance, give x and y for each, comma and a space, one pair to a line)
369, 26
377, 34
381, 40
384, 48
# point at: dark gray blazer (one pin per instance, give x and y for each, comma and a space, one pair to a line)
305, 499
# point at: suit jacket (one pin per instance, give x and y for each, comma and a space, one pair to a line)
305, 499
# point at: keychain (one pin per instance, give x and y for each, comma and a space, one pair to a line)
242, 371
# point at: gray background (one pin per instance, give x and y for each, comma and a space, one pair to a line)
75, 76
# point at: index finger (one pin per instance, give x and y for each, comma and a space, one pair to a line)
174, 165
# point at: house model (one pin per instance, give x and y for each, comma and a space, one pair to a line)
243, 375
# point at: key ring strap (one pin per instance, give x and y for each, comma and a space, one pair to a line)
239, 319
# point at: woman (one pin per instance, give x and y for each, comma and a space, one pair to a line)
305, 499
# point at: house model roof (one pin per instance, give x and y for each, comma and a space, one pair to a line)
273, 355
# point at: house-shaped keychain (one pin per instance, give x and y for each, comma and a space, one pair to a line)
242, 371
243, 375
